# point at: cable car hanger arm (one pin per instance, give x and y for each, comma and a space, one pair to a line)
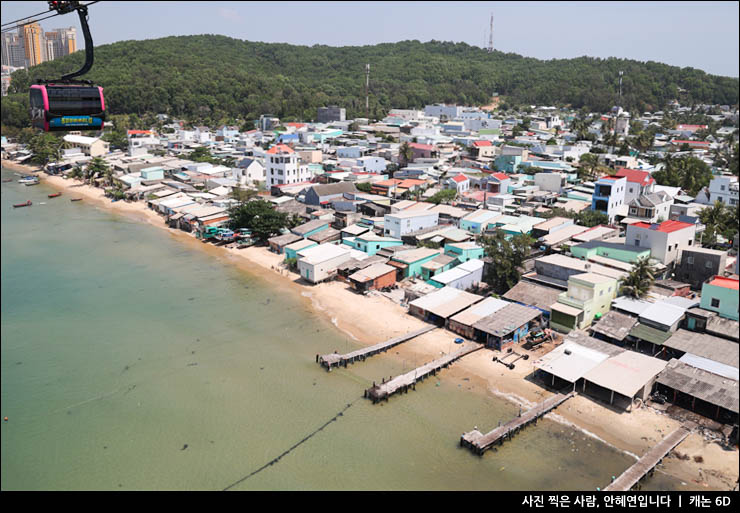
67, 7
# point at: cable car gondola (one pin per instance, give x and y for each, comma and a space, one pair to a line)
67, 104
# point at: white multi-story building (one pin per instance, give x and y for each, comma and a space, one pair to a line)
402, 223
721, 188
639, 183
665, 240
653, 207
284, 167
608, 195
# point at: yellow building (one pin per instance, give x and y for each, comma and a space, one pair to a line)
32, 41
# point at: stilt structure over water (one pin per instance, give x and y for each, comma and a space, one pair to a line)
646, 465
404, 382
336, 360
480, 443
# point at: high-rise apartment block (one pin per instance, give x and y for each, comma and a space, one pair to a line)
31, 45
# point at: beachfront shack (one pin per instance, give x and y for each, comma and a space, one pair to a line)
442, 304
568, 363
702, 386
291, 250
373, 277
462, 323
319, 263
507, 326
279, 242
533, 294
625, 377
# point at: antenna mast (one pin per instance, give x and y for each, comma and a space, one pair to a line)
490, 36
620, 88
367, 91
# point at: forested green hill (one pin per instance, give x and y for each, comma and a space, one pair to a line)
216, 77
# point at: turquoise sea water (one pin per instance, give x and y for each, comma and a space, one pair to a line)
133, 361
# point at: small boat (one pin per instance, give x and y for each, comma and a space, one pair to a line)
55, 195
76, 199
6, 180
26, 204
29, 180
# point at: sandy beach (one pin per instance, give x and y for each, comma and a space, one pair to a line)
381, 318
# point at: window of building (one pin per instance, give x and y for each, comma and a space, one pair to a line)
715, 302
690, 260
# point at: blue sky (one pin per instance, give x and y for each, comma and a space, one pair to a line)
701, 35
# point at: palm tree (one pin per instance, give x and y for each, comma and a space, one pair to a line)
95, 168
405, 153
639, 280
719, 219
589, 162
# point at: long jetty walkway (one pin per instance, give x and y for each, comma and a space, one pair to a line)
337, 360
649, 461
405, 381
480, 443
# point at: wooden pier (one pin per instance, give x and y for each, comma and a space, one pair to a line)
480, 443
341, 360
404, 382
646, 465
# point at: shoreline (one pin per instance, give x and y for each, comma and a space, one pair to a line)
633, 433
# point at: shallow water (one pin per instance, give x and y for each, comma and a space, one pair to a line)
133, 361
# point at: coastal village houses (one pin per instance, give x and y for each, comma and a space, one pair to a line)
359, 212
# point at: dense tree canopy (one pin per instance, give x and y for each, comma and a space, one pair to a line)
220, 79
507, 255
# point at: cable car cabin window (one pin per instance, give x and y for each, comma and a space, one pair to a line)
38, 115
74, 100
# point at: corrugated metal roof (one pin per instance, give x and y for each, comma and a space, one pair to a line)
650, 334
663, 313
478, 311
532, 294
570, 361
727, 371
626, 373
708, 346
372, 272
506, 320
446, 301
615, 325
699, 383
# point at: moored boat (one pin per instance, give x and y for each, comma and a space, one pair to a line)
29, 180
76, 199
55, 195
26, 204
